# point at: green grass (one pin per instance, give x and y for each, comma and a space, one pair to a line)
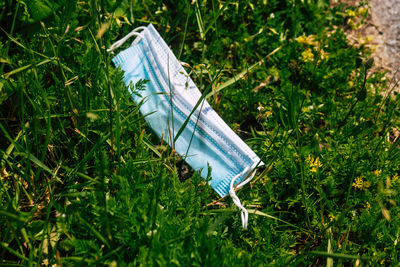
84, 181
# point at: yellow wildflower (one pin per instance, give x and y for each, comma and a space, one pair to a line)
331, 217
314, 163
307, 55
377, 172
355, 26
362, 11
324, 55
305, 109
367, 205
369, 39
317, 164
264, 179
351, 13
306, 40
309, 159
235, 127
360, 184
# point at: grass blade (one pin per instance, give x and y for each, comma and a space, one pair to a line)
13, 216
239, 76
260, 213
8, 74
203, 96
31, 157
95, 232
12, 251
199, 20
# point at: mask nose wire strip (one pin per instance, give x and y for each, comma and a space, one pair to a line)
126, 37
244, 214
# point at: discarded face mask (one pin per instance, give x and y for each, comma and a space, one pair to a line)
176, 111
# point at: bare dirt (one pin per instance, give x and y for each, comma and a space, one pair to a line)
383, 26
385, 17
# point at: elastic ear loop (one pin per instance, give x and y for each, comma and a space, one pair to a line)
126, 37
243, 214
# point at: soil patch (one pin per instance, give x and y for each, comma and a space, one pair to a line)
383, 28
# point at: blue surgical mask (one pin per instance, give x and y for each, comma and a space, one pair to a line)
170, 96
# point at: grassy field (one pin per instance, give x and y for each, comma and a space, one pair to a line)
84, 180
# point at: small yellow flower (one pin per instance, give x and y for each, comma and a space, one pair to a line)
307, 55
317, 163
235, 127
367, 205
314, 163
360, 184
356, 26
264, 179
369, 39
324, 55
362, 11
351, 13
305, 109
306, 40
331, 217
377, 172
309, 159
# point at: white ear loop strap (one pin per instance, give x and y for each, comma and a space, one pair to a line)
243, 214
126, 37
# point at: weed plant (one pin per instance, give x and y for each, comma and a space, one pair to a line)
84, 181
